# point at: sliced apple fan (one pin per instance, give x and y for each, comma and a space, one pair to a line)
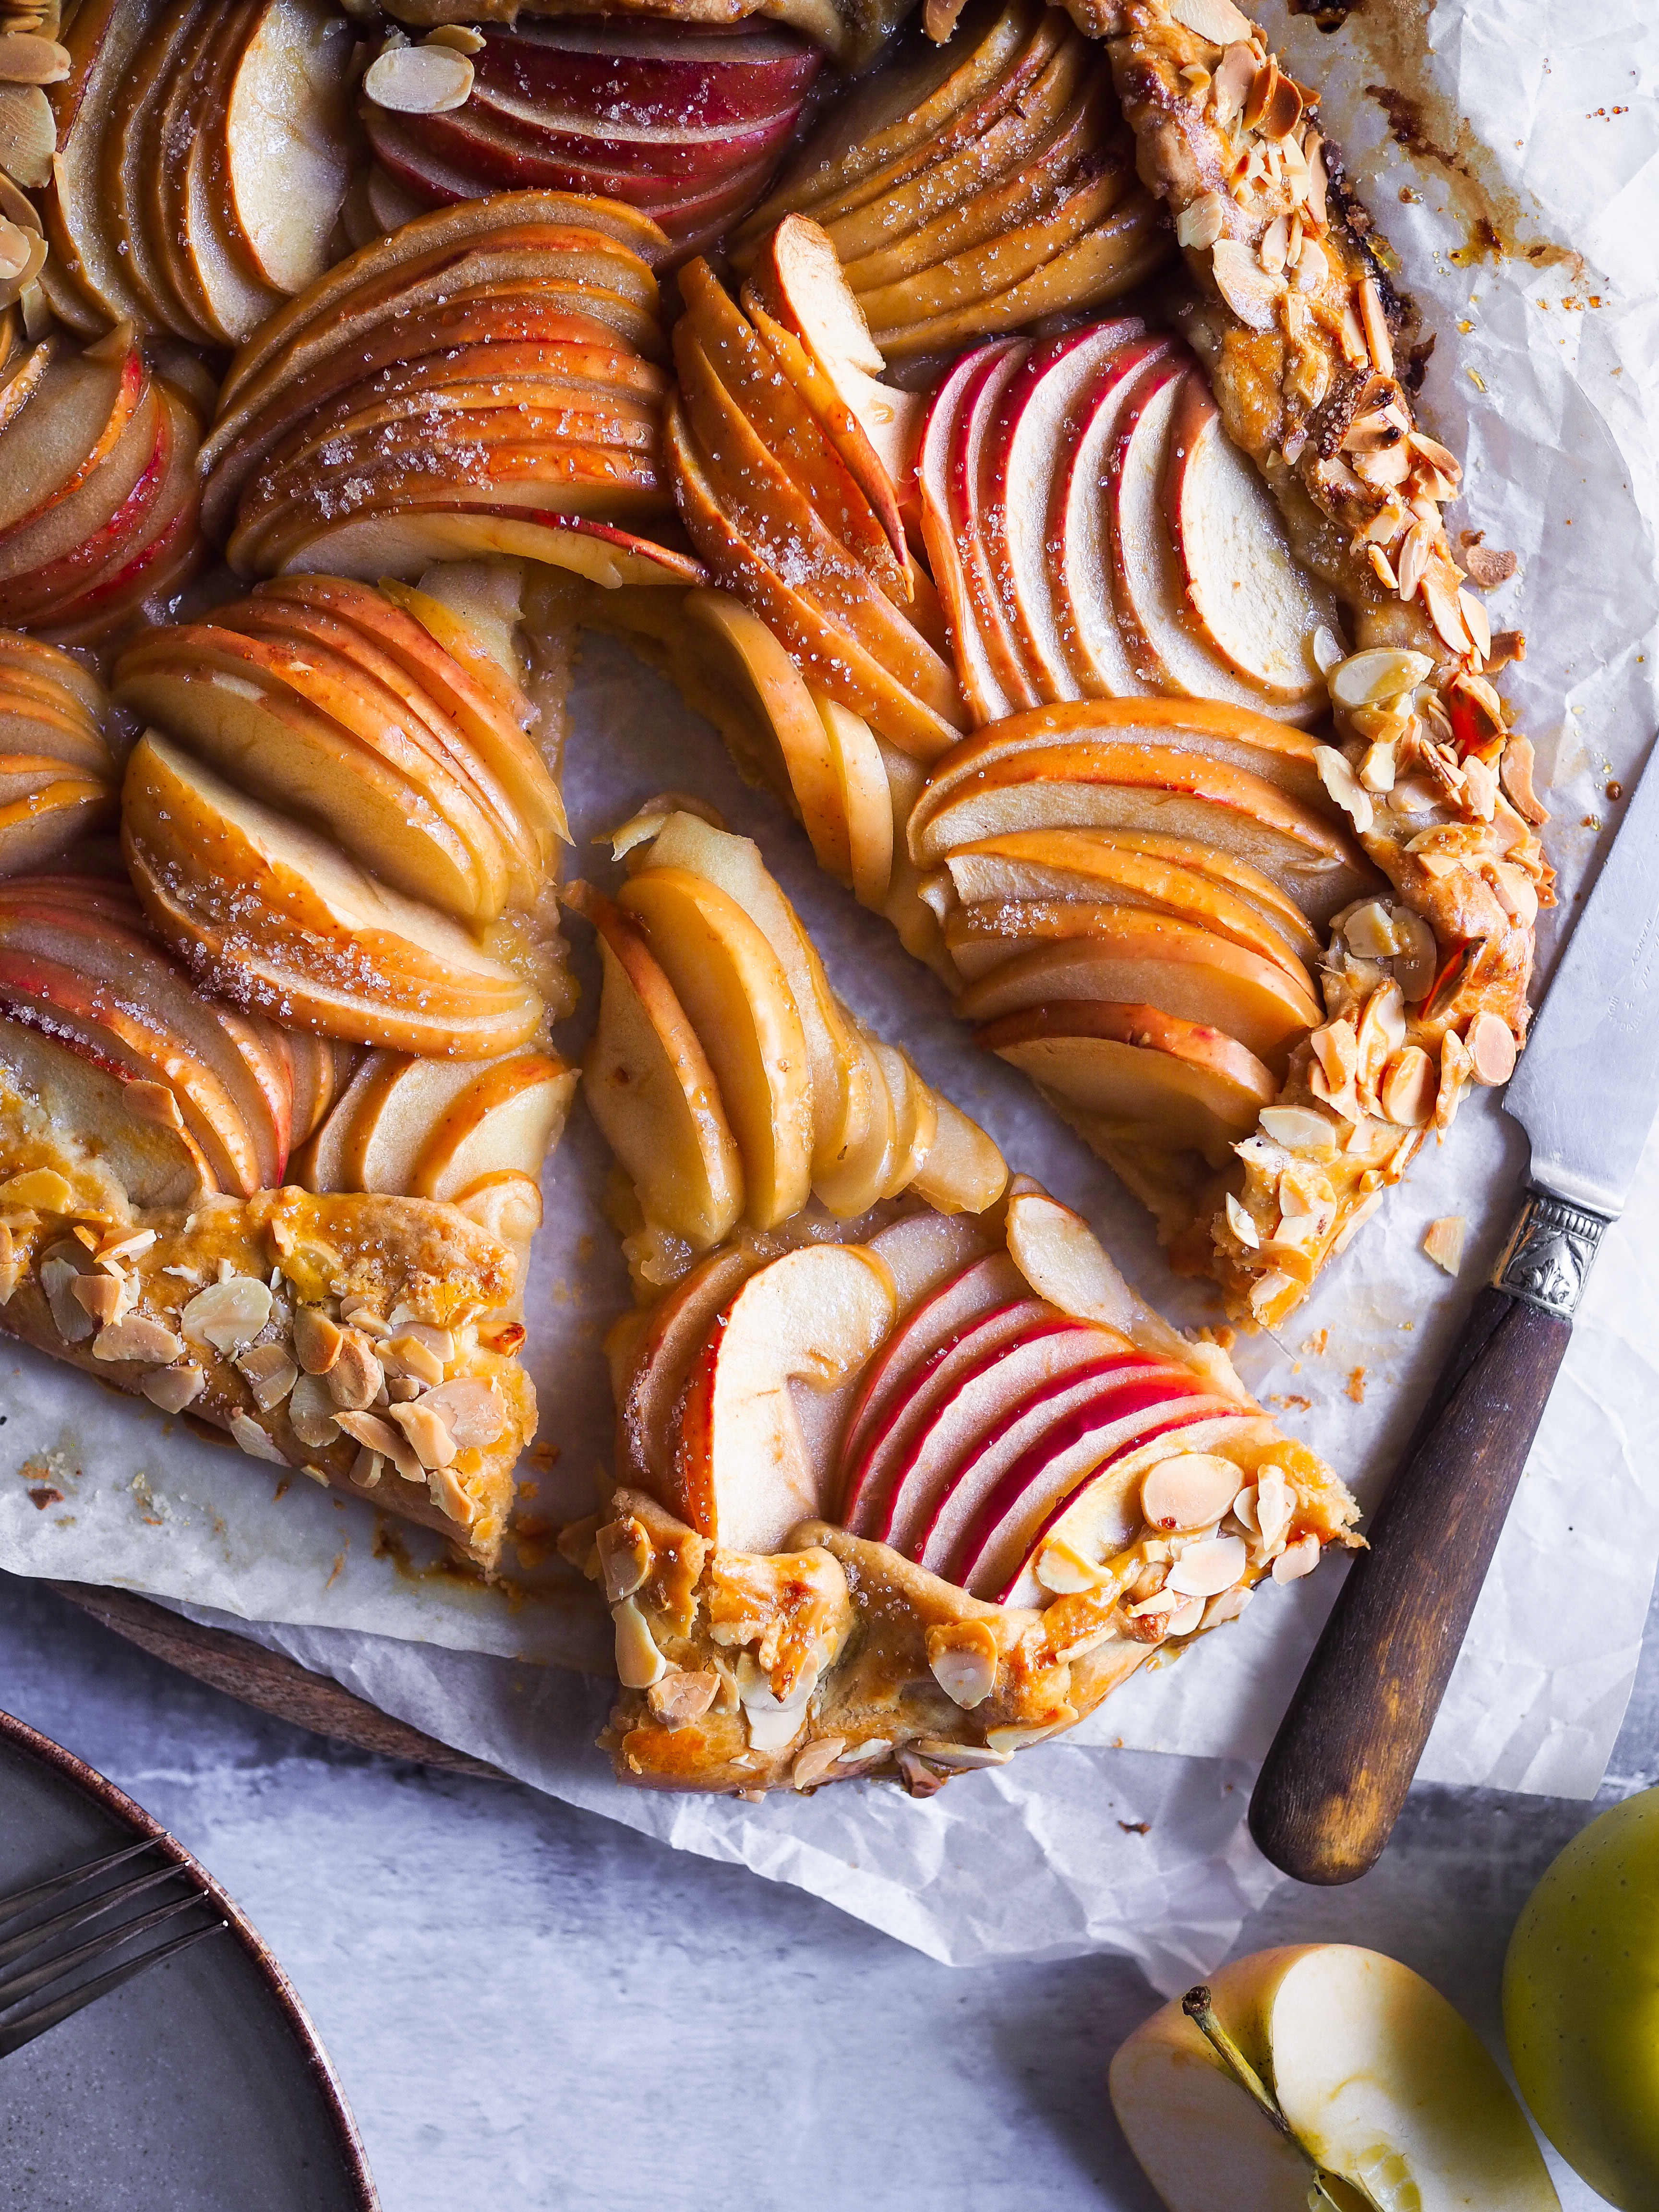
873, 1385
270, 1129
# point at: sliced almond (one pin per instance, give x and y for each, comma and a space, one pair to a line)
428, 80
1407, 1090
311, 1412
1444, 1242
353, 1380
962, 1655
1217, 20
1191, 1490
429, 1434
1249, 290
814, 1761
228, 1314
26, 59
269, 1371
28, 135
173, 1389
639, 1663
1300, 1558
1490, 1047
255, 1441
317, 1339
625, 1555
682, 1694
1200, 222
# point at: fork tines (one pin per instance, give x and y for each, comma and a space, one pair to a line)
36, 1996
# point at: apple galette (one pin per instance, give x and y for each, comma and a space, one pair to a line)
906, 1476
1002, 425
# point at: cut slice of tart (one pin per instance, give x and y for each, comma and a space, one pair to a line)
901, 1489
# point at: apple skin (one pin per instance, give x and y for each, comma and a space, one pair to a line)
1581, 2003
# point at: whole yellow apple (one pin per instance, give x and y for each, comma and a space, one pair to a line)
1581, 2003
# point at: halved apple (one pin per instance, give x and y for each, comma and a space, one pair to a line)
1134, 957
273, 915
113, 1115
736, 993
651, 1090
1149, 1077
744, 1476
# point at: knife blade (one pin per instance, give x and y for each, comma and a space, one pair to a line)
1585, 1091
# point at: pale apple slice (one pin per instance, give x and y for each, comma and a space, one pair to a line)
962, 1171
273, 915
1004, 1382
923, 1252
505, 1123
959, 1341
373, 1137
827, 655
744, 1477
1116, 786
1064, 1261
288, 140
1166, 643
787, 709
404, 544
1285, 756
372, 791
786, 424
234, 298
915, 1115
140, 142
170, 550
733, 865
857, 1180
156, 1164
34, 723
865, 800
653, 1091
188, 107
901, 110
136, 459
736, 993
1170, 875
1253, 603
765, 505
30, 661
1377, 2078
48, 821
1129, 1423
650, 1387
73, 419
1076, 542
1045, 410
983, 688
1150, 1076
1137, 957
84, 278
967, 463
318, 1071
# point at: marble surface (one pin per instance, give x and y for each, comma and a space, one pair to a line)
532, 2006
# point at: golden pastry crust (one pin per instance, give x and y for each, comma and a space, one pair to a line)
398, 1283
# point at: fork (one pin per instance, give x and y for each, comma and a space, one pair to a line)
50, 1981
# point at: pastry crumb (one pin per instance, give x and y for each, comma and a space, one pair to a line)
1356, 1386
1442, 1241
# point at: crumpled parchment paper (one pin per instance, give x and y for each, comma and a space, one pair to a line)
1510, 151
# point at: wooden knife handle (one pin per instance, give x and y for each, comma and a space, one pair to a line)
1339, 1767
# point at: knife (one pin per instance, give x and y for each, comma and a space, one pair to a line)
1585, 1093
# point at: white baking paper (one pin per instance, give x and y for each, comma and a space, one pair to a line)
1543, 134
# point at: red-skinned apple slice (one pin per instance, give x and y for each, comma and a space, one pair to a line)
987, 699
74, 418
889, 1437
1147, 585
84, 278
659, 74
1004, 1530
972, 438
112, 1112
743, 1474
991, 1390
1042, 416
400, 544
651, 1090
923, 1252
650, 1391
88, 548
1149, 1077
1076, 535
171, 545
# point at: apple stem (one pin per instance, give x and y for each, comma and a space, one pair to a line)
1199, 2008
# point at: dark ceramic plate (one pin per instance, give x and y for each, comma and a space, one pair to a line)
199, 2087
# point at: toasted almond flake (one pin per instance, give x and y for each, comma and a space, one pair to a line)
1300, 1558
1201, 222
684, 1694
1344, 786
366, 1470
1312, 266
29, 134
427, 1432
173, 1389
230, 1313
1438, 459
450, 1495
354, 1381
1248, 289
1185, 1618
958, 1758
470, 1407
26, 59
1274, 249
1414, 559
1455, 1071
1375, 325
1419, 957
1476, 622
1408, 1089
639, 1661
1517, 890
1189, 1490
317, 1339
1445, 612
920, 1780
1479, 787
457, 35
407, 1355
1299, 1129
1228, 1605
1275, 1502
868, 1753
1490, 1047
1196, 78
378, 1436
124, 1244
1380, 563
270, 1372
1157, 1607
1283, 114
1329, 650
37, 1190
1241, 1225
1370, 932
626, 1555
104, 1297
254, 1440
1266, 1293
1516, 767
1064, 1571
1217, 20
1444, 1242
311, 1412
425, 79
1262, 86
814, 1761
1233, 77
962, 1656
